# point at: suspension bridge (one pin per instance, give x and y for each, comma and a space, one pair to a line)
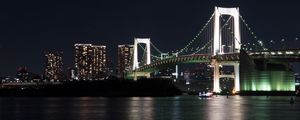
219, 42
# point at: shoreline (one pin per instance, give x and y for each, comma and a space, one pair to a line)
105, 88
115, 88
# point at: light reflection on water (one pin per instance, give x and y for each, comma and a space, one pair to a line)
148, 108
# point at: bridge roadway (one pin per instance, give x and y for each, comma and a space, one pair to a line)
291, 55
197, 58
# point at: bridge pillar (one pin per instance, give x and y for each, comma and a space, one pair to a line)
176, 67
237, 77
135, 53
217, 38
216, 76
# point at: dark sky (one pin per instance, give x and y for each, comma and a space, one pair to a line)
28, 28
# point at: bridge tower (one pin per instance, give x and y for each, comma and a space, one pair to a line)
217, 45
135, 53
217, 40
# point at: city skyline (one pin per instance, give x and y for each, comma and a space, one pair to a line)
31, 27
157, 59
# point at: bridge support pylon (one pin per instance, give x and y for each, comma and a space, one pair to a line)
236, 77
217, 75
217, 41
135, 52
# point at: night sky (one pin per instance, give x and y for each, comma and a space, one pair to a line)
28, 28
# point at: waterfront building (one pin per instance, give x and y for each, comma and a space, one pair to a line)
22, 74
90, 61
53, 65
125, 55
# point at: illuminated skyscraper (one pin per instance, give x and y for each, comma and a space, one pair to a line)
53, 65
125, 55
90, 61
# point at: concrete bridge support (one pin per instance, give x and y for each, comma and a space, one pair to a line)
236, 77
216, 76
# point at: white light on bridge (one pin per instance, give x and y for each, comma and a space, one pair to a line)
266, 53
279, 53
187, 83
273, 53
289, 52
260, 42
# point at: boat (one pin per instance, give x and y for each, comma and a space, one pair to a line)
205, 94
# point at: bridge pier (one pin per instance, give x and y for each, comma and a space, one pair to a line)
216, 66
236, 77
216, 76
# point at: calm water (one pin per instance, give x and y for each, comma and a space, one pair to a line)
147, 108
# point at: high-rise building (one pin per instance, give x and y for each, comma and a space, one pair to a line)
125, 57
53, 65
22, 74
90, 61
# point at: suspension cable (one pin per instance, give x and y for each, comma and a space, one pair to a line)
156, 48
144, 49
200, 32
252, 33
202, 48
